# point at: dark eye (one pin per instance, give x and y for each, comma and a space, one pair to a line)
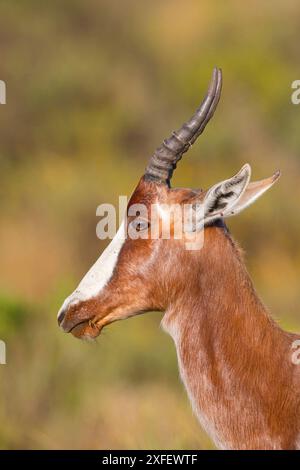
139, 225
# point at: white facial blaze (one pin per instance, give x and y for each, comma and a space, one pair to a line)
100, 273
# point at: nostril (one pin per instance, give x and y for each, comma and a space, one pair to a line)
61, 315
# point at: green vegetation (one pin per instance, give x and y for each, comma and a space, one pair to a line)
92, 88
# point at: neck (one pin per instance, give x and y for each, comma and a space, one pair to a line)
234, 359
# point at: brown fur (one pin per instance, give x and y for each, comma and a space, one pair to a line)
235, 360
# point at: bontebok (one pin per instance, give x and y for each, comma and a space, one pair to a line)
235, 361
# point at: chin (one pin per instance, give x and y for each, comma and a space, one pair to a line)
87, 330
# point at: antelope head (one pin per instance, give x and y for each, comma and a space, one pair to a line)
145, 273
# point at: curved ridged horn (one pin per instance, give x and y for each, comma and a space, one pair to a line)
163, 161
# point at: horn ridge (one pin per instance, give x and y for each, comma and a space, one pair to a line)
163, 162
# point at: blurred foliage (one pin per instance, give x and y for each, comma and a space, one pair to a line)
13, 315
92, 88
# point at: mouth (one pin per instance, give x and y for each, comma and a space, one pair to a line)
86, 329
76, 319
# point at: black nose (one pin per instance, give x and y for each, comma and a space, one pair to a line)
61, 315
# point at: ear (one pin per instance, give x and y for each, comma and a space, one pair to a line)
230, 197
221, 199
252, 192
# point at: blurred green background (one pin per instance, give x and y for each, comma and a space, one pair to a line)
92, 88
